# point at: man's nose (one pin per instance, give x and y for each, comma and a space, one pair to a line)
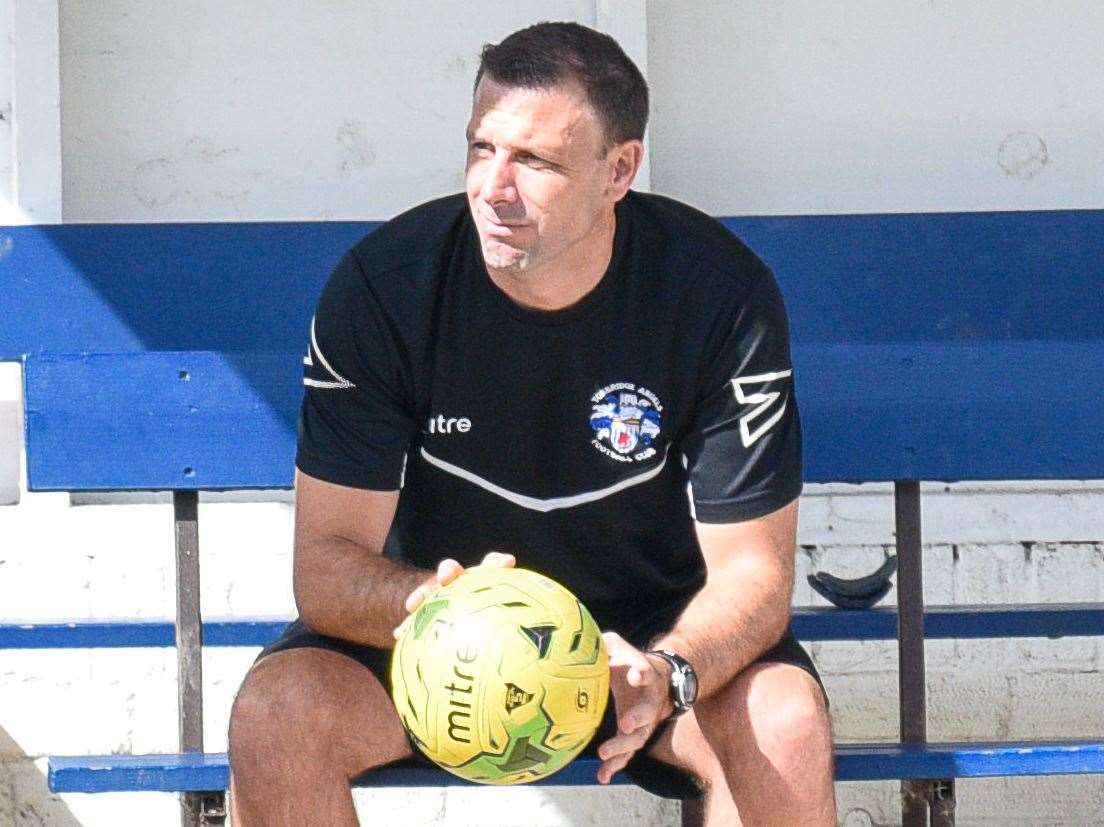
499, 186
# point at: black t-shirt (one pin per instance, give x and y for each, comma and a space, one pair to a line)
584, 441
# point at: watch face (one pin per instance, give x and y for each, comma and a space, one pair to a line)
689, 687
684, 680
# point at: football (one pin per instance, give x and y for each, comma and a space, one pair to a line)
501, 676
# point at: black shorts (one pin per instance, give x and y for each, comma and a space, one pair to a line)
645, 771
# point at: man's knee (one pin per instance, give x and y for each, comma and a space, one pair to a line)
781, 708
275, 703
292, 702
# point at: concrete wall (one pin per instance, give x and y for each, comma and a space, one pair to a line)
863, 106
356, 110
263, 110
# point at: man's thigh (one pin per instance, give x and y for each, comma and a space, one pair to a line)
755, 704
326, 698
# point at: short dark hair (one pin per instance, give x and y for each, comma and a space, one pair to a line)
550, 54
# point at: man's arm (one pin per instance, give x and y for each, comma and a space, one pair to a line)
740, 612
744, 607
344, 586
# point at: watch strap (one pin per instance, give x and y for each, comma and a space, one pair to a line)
680, 669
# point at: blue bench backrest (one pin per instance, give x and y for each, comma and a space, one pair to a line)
853, 278
156, 421
236, 287
936, 347
870, 412
932, 277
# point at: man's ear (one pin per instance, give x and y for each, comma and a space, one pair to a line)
625, 160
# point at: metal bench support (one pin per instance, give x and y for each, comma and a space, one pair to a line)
195, 808
920, 800
693, 812
910, 641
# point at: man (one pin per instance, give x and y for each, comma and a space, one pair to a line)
587, 381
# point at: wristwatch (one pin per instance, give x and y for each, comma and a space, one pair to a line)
684, 681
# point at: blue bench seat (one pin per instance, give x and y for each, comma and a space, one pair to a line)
199, 772
1050, 620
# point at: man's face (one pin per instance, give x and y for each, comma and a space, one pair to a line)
537, 176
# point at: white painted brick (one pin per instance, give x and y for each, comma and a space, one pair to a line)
532, 807
975, 512
863, 707
223, 671
11, 428
841, 657
117, 561
845, 515
1057, 704
969, 705
985, 802
868, 803
401, 807
109, 809
246, 573
1064, 573
994, 573
938, 574
972, 655
1030, 802
985, 574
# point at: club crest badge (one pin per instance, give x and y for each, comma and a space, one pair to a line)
626, 421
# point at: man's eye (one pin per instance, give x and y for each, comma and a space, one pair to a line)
480, 147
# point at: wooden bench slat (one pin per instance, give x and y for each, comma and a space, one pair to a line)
195, 772
198, 772
235, 285
1052, 620
951, 276
873, 762
924, 411
951, 411
123, 634
159, 421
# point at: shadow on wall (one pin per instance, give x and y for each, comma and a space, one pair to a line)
25, 798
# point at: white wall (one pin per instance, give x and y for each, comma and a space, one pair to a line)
6, 91
807, 106
34, 109
350, 109
261, 110
11, 431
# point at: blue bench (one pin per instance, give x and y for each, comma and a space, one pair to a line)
918, 391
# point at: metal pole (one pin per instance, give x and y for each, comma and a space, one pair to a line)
943, 803
189, 639
693, 812
910, 641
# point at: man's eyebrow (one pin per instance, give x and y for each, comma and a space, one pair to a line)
543, 153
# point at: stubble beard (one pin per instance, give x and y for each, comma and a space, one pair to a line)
504, 258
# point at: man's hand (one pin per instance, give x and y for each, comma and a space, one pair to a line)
447, 571
639, 684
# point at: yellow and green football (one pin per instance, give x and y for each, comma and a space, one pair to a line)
501, 676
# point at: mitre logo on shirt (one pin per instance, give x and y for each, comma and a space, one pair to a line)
442, 424
626, 420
